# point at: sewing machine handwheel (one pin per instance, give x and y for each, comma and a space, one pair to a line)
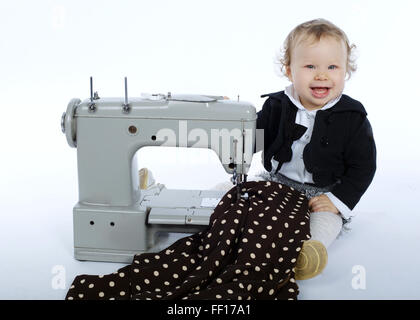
68, 125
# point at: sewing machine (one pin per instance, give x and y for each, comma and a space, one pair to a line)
115, 219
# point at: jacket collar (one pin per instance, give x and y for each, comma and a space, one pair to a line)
291, 93
345, 103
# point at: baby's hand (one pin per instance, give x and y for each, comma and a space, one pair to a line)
322, 203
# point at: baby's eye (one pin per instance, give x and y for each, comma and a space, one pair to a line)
332, 67
310, 66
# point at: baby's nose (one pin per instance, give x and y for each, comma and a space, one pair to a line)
321, 76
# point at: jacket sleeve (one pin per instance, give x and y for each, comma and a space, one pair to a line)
360, 159
262, 138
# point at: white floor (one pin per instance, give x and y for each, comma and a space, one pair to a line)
378, 259
48, 55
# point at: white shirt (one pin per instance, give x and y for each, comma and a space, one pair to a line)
295, 169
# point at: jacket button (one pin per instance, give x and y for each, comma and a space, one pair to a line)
324, 141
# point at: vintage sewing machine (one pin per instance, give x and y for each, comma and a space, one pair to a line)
115, 219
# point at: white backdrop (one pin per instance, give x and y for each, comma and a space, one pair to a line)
49, 49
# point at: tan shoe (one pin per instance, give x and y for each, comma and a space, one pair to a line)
311, 261
146, 179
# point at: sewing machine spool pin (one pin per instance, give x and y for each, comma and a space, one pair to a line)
92, 106
126, 105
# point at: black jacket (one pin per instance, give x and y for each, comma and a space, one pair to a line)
342, 148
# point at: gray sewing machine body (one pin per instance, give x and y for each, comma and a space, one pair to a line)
115, 219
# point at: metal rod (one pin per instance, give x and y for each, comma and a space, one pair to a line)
92, 107
125, 88
91, 89
126, 107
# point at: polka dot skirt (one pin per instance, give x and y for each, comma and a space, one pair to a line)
248, 251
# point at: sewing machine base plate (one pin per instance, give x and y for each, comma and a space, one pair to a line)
162, 241
92, 254
116, 234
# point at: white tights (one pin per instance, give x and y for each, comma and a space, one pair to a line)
325, 227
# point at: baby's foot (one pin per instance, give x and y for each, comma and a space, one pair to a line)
146, 179
311, 261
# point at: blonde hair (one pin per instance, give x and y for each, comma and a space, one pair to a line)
315, 29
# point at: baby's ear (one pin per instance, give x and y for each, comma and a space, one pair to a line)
289, 73
348, 75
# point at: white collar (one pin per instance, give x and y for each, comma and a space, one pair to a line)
293, 96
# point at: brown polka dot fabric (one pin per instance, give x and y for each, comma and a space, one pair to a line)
248, 251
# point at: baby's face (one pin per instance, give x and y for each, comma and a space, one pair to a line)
318, 70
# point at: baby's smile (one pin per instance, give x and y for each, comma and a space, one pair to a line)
320, 92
